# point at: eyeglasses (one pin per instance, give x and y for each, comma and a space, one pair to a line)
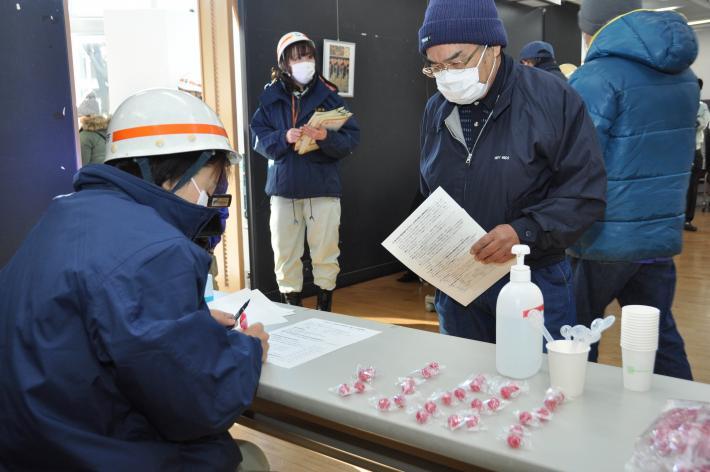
434, 68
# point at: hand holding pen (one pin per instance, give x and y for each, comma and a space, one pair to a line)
241, 317
255, 330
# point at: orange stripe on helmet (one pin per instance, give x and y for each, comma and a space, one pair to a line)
158, 130
287, 38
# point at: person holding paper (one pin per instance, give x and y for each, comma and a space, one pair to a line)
111, 360
305, 189
514, 147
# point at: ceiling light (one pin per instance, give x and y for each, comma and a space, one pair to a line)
667, 8
699, 22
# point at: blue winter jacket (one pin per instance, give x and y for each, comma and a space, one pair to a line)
537, 165
109, 357
314, 174
643, 99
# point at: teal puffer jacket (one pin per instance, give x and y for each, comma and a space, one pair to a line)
643, 98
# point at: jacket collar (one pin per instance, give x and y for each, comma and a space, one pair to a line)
505, 93
187, 217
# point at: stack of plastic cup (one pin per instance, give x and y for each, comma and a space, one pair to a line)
639, 343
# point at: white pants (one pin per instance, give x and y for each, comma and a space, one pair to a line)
291, 221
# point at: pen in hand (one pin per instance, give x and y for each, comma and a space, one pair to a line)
241, 317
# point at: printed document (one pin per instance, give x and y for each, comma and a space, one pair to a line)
434, 242
309, 339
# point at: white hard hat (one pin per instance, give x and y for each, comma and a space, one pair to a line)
162, 121
289, 39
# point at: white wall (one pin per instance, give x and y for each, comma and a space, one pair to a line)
701, 67
149, 49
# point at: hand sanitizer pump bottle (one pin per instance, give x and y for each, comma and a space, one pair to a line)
518, 339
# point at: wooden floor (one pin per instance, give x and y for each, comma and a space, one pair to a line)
390, 301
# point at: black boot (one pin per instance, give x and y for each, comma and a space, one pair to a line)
690, 226
292, 298
325, 300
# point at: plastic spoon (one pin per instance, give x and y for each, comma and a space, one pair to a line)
566, 332
537, 320
600, 325
582, 334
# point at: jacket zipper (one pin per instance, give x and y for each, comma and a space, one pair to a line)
470, 152
475, 144
483, 129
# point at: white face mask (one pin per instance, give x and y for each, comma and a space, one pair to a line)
203, 199
303, 72
463, 86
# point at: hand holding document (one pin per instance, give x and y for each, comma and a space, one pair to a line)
331, 120
434, 242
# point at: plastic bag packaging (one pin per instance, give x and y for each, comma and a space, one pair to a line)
408, 385
490, 406
553, 398
449, 398
464, 420
477, 383
429, 371
365, 373
534, 418
350, 388
395, 402
424, 412
678, 440
516, 437
505, 388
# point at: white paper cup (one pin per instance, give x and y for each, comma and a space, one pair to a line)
638, 368
640, 315
646, 337
640, 310
568, 366
639, 345
639, 332
639, 327
649, 337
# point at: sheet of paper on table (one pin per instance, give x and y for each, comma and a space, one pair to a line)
309, 339
260, 309
434, 242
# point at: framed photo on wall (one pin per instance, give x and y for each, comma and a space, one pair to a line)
339, 65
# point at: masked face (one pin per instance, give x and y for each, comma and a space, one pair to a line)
203, 198
303, 72
463, 86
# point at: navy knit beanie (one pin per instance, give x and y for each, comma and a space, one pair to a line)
461, 21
